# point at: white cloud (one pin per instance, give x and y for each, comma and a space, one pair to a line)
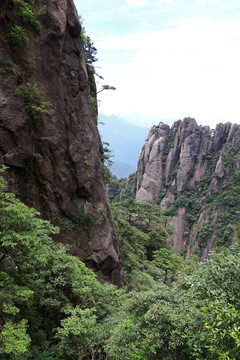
189, 70
137, 2
143, 2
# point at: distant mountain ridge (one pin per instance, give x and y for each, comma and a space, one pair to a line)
126, 141
144, 120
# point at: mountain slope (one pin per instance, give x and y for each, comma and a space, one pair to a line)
193, 172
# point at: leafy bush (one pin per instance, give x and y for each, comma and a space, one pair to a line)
29, 17
17, 34
216, 286
29, 13
34, 101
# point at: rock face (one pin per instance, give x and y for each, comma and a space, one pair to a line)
123, 189
193, 173
48, 131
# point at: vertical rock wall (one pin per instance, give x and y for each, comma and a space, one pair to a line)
54, 152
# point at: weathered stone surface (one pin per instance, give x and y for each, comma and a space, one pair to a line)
179, 225
141, 224
220, 168
179, 158
55, 164
150, 165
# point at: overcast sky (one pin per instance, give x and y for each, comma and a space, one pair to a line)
168, 58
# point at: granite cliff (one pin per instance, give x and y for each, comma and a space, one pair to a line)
48, 129
193, 173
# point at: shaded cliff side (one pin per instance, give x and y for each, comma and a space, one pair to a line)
193, 173
48, 131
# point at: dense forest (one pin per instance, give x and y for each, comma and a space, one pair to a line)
53, 307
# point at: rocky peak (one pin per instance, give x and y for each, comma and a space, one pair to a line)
160, 156
182, 168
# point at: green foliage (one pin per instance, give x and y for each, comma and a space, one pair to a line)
29, 13
170, 144
196, 318
173, 175
50, 303
53, 308
106, 162
85, 220
227, 201
28, 16
162, 194
198, 200
94, 104
142, 230
17, 34
90, 50
9, 68
189, 201
38, 156
124, 188
86, 162
14, 340
167, 261
34, 101
153, 326
106, 87
90, 56
205, 233
216, 285
76, 332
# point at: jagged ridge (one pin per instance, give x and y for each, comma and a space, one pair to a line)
192, 171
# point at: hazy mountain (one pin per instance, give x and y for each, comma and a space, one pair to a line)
122, 170
126, 141
145, 120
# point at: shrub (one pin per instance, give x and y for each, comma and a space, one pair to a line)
28, 17
17, 34
34, 101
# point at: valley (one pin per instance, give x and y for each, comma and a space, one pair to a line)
144, 267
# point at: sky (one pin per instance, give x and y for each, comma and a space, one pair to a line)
168, 59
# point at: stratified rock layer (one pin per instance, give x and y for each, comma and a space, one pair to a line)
55, 162
192, 172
